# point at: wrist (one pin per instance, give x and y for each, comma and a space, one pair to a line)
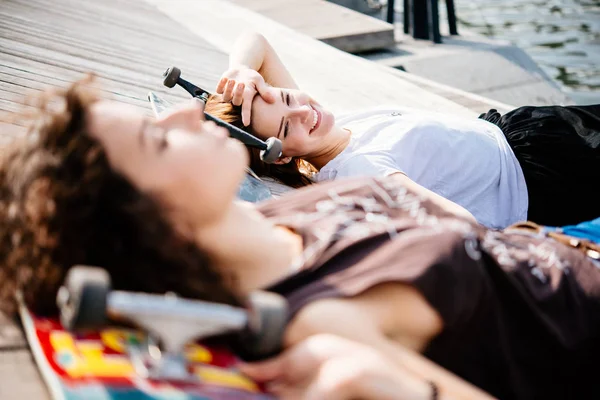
396, 385
239, 66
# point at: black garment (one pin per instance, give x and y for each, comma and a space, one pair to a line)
559, 151
521, 312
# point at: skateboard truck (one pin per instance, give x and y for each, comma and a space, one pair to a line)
86, 301
270, 149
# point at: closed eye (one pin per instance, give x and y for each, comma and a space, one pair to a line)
156, 134
287, 123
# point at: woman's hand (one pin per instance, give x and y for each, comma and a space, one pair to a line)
240, 85
330, 367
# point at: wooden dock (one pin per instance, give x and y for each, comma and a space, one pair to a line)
129, 43
338, 26
126, 43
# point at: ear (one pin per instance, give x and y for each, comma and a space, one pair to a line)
283, 160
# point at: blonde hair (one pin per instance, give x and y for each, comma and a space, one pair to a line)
296, 173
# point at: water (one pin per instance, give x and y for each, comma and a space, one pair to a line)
562, 36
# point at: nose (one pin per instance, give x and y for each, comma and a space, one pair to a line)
302, 112
184, 116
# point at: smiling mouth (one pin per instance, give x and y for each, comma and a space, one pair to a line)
316, 120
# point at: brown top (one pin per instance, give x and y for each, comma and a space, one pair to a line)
520, 312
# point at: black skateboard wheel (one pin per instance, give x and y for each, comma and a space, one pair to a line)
171, 76
82, 298
263, 336
273, 150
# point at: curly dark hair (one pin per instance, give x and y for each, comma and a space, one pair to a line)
296, 173
61, 204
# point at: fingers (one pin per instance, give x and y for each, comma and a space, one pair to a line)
247, 107
263, 371
334, 382
267, 92
241, 86
221, 85
329, 381
293, 365
327, 367
238, 94
249, 95
228, 91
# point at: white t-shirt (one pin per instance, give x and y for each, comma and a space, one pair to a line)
467, 161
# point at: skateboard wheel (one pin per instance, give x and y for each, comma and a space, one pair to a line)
82, 298
171, 76
263, 336
273, 150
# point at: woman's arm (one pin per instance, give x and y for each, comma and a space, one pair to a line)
254, 68
382, 164
393, 318
435, 198
252, 50
330, 367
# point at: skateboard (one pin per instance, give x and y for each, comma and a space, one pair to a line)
270, 149
83, 357
252, 188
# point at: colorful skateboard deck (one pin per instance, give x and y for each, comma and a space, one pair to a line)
96, 366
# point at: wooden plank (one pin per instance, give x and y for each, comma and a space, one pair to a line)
20, 378
92, 37
41, 76
72, 21
127, 44
110, 67
148, 72
333, 24
11, 335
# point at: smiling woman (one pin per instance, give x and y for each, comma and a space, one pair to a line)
533, 162
295, 173
304, 126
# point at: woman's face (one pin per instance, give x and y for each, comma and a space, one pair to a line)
194, 168
295, 118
